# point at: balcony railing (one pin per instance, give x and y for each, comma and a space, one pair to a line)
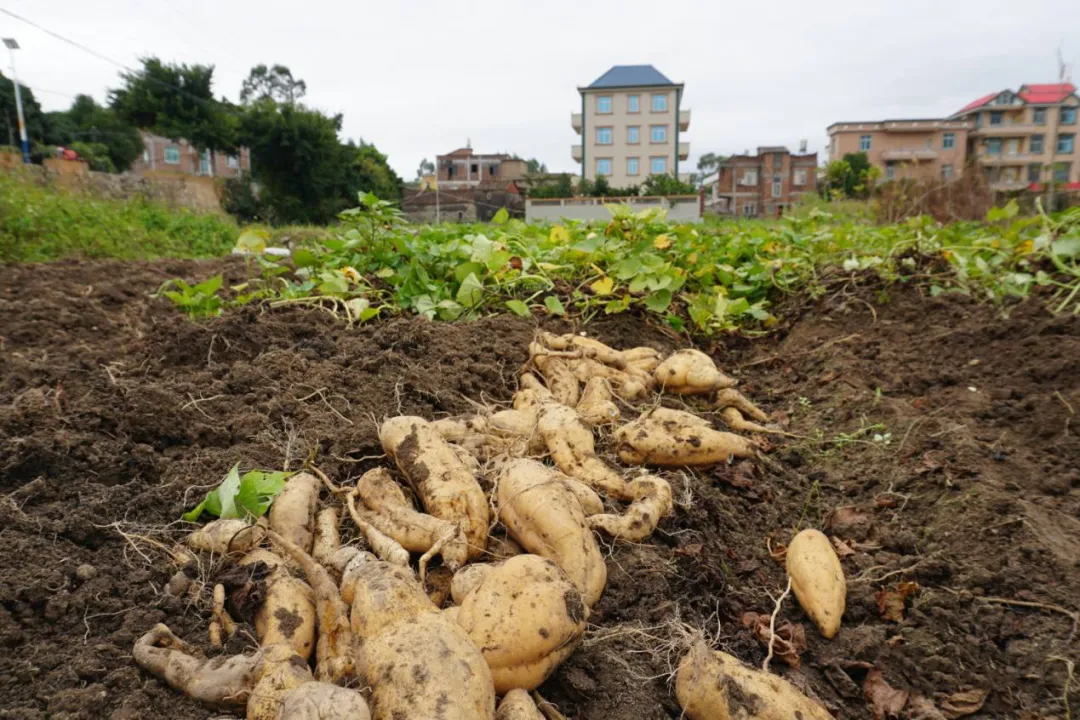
684, 120
1007, 129
1007, 158
1008, 184
910, 154
684, 151
575, 151
575, 122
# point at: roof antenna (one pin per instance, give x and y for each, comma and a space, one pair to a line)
468, 143
1064, 74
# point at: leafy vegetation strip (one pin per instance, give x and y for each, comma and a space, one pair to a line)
703, 278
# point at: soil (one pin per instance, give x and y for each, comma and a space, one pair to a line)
938, 440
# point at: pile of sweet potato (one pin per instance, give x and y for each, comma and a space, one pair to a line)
506, 505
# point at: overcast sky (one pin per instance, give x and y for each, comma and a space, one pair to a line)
419, 78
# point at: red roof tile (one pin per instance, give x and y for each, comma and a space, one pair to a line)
1046, 94
978, 103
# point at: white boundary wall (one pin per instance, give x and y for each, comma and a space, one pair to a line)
680, 208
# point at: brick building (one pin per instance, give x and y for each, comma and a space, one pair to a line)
464, 168
923, 148
761, 185
164, 156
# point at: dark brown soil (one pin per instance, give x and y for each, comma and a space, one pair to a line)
116, 413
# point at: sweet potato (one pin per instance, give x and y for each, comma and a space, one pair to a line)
327, 535
501, 548
591, 504
577, 348
572, 446
323, 701
596, 406
732, 399
467, 579
627, 384
560, 379
281, 671
445, 486
419, 662
287, 614
817, 579
691, 372
386, 547
712, 685
221, 682
545, 518
526, 617
650, 502
225, 536
518, 705
292, 514
334, 651
414, 531
645, 359
672, 438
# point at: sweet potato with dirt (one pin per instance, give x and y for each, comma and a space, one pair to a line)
627, 384
292, 514
419, 662
691, 372
527, 617
596, 406
580, 347
650, 501
673, 438
560, 379
573, 449
518, 705
817, 579
447, 489
226, 536
323, 701
416, 532
287, 614
712, 685
546, 519
327, 538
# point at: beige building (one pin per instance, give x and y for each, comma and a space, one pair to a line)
630, 125
1025, 138
905, 148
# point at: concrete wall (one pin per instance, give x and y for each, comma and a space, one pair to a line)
619, 120
681, 208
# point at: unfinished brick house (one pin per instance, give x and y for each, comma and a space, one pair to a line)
463, 168
164, 156
762, 185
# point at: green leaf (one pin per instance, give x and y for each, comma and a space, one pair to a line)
516, 306
471, 291
554, 305
449, 310
1066, 247
303, 257
252, 241
463, 270
257, 491
1006, 213
210, 285
658, 301
500, 217
384, 272
227, 493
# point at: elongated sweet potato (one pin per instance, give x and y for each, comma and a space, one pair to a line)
817, 579
627, 384
445, 486
386, 547
645, 359
281, 671
576, 348
292, 514
527, 617
560, 379
596, 406
672, 438
546, 519
415, 531
691, 372
712, 685
650, 502
518, 705
419, 662
287, 615
573, 449
225, 536
327, 535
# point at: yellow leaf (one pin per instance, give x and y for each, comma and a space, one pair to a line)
662, 242
350, 274
559, 234
692, 258
1025, 247
603, 286
771, 247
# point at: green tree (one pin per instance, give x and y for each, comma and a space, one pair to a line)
426, 168
850, 177
532, 165
601, 187
276, 83
96, 156
177, 101
666, 185
709, 163
9, 118
88, 122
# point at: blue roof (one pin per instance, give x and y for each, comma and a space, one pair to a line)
631, 76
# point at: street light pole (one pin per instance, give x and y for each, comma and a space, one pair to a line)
12, 46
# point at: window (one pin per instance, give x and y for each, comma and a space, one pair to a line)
1061, 172
1014, 145
800, 177
204, 163
946, 172
993, 146
603, 166
1035, 146
658, 165
659, 103
832, 145
146, 156
633, 103
996, 117
233, 162
633, 134
172, 155
1065, 144
632, 166
948, 141
474, 168
749, 209
749, 177
658, 133
890, 171
603, 104
1068, 116
491, 170
777, 186
1034, 173
603, 136
1039, 116
929, 143
978, 120
864, 142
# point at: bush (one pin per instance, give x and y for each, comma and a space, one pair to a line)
39, 223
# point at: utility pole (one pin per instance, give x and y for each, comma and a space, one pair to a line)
12, 46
